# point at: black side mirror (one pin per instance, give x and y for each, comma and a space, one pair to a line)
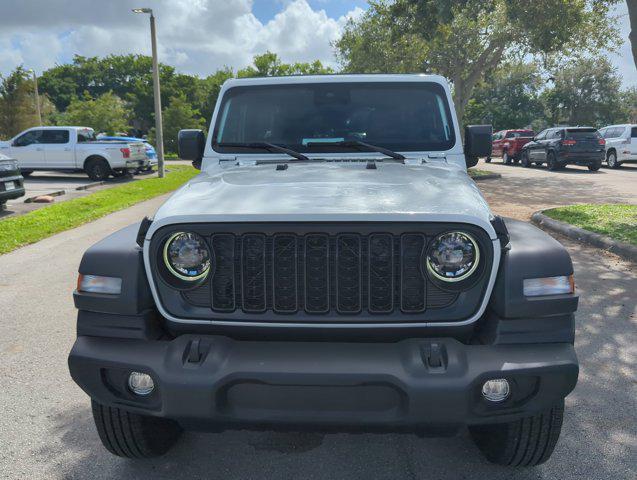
477, 143
191, 144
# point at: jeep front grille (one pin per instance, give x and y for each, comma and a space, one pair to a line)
310, 273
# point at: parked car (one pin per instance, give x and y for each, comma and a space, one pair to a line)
621, 144
11, 181
508, 144
73, 149
561, 146
333, 267
151, 154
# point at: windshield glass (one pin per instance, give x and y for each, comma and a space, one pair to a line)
408, 116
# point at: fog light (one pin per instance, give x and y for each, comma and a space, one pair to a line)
496, 390
140, 383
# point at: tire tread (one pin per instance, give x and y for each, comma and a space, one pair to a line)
130, 435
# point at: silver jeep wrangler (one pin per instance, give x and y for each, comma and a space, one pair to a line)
333, 267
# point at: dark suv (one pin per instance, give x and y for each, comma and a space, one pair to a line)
561, 146
11, 181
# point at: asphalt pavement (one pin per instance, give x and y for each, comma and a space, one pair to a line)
46, 428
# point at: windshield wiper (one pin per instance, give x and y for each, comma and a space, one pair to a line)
272, 147
360, 145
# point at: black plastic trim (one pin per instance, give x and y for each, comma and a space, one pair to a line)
532, 254
118, 255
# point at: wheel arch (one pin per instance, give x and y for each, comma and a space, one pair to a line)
94, 156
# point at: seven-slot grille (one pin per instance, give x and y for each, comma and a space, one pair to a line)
318, 273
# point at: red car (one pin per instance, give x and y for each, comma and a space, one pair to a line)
508, 144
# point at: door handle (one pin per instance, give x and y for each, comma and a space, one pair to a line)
67, 149
39, 149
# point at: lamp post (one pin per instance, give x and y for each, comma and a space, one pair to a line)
156, 92
37, 96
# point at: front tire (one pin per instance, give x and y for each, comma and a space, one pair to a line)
523, 443
552, 162
97, 169
593, 167
487, 160
131, 435
26, 173
524, 160
611, 159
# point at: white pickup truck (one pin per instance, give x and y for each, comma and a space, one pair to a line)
73, 149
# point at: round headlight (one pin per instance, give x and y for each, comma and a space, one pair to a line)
186, 256
453, 256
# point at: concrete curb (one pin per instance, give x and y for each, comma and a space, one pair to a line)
89, 185
490, 176
57, 193
624, 250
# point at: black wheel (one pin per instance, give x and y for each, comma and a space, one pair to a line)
593, 167
523, 443
524, 159
611, 159
506, 159
552, 162
26, 173
97, 169
487, 160
130, 435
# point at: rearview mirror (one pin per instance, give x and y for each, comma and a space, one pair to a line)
477, 143
191, 144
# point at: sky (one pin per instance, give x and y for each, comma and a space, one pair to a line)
195, 36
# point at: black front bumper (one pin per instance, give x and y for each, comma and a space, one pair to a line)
221, 382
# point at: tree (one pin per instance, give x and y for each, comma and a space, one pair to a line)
508, 98
107, 113
178, 115
464, 39
269, 64
586, 92
17, 104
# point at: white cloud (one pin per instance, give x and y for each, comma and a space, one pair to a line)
197, 36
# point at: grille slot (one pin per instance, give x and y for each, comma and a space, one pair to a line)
317, 281
413, 291
223, 278
285, 273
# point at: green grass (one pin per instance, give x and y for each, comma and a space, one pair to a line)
475, 173
615, 220
38, 224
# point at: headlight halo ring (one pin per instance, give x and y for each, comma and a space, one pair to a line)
173, 271
450, 280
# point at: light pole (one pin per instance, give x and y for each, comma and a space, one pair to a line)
156, 93
37, 96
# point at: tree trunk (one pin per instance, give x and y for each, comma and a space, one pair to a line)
632, 13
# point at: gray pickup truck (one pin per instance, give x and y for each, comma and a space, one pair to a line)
333, 267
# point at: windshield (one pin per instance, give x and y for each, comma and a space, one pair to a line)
412, 116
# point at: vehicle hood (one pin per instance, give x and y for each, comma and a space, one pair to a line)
329, 191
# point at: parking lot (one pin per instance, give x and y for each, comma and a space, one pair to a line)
47, 430
64, 186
